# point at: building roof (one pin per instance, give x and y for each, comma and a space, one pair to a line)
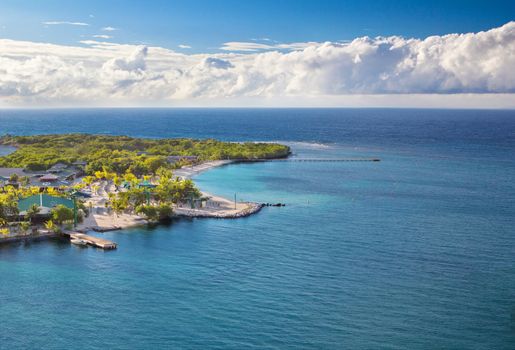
57, 167
44, 201
146, 183
7, 172
48, 177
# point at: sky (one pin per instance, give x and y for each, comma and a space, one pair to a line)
257, 53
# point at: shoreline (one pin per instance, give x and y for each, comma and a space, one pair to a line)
216, 207
191, 171
100, 221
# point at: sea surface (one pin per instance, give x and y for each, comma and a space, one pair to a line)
414, 252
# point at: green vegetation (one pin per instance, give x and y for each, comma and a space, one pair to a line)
155, 212
156, 204
119, 154
32, 212
62, 214
136, 170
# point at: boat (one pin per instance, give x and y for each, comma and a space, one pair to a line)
78, 241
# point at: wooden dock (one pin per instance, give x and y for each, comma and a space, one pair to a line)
94, 241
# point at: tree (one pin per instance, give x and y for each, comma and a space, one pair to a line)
24, 180
164, 211
88, 180
14, 178
51, 226
32, 212
119, 204
117, 180
99, 175
25, 226
52, 191
130, 178
61, 214
148, 211
155, 213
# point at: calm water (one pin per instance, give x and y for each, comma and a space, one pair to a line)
414, 252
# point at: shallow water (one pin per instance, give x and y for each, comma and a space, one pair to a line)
413, 252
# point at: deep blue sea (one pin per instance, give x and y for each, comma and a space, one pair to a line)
414, 252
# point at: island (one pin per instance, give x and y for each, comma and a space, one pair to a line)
55, 184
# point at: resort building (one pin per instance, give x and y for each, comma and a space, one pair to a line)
44, 202
61, 175
49, 178
57, 168
6, 173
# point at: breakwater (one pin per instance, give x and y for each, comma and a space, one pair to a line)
252, 208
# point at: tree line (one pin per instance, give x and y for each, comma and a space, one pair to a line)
120, 154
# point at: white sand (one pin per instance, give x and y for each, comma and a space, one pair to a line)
190, 171
216, 206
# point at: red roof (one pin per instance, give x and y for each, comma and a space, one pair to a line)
48, 177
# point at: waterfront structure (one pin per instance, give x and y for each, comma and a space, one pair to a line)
44, 202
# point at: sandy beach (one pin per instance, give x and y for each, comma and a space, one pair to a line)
190, 171
101, 219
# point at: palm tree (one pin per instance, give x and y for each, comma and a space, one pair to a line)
51, 226
13, 178
25, 225
32, 212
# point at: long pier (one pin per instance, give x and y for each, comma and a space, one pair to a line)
333, 160
94, 241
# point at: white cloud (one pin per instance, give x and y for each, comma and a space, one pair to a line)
469, 69
102, 36
65, 22
182, 46
109, 29
254, 46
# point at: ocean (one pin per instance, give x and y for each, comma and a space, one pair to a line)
414, 252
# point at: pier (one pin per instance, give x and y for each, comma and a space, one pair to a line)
333, 160
94, 241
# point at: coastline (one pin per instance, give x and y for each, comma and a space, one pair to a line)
190, 171
100, 220
216, 207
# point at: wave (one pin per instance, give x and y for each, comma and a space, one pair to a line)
303, 144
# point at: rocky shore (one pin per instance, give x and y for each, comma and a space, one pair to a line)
252, 208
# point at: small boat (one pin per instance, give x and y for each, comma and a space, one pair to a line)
78, 241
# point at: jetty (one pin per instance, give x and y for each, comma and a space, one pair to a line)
332, 160
91, 240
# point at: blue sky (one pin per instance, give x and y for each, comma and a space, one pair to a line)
206, 25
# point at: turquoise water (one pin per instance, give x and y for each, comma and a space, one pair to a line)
414, 252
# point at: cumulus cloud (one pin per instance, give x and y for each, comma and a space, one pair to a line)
182, 46
212, 62
109, 29
104, 72
254, 46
